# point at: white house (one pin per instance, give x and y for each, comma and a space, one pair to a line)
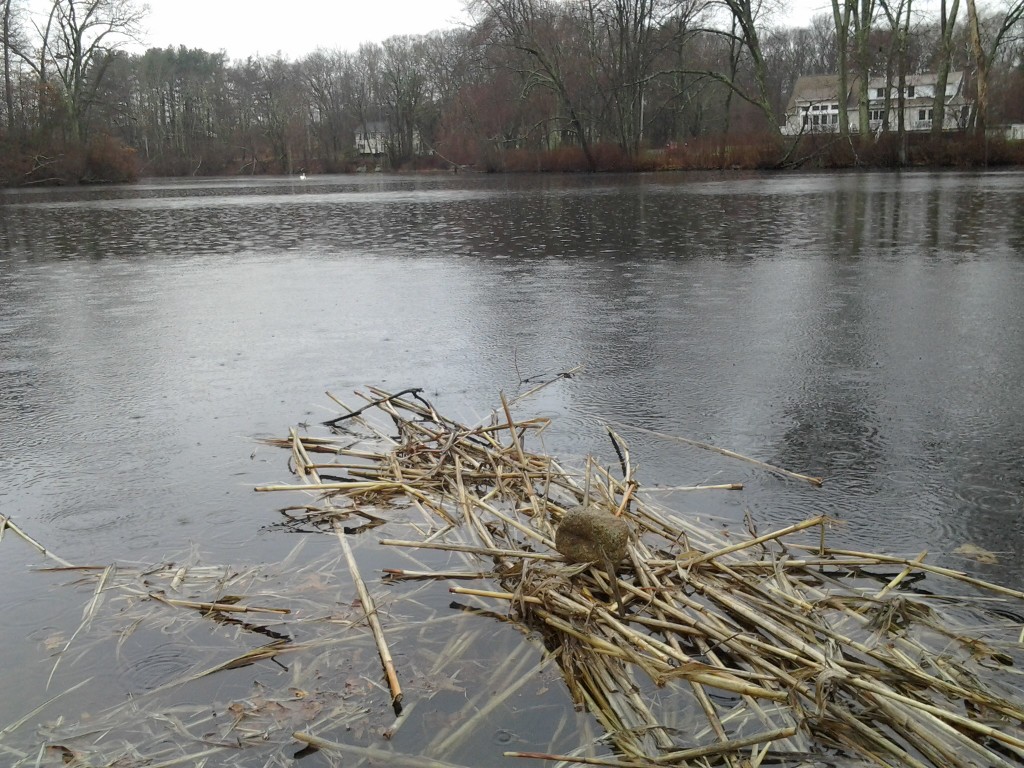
372, 138
375, 137
814, 105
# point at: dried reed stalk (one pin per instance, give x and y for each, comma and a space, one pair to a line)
6, 524
373, 619
781, 656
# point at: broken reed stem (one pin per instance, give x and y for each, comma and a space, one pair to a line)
216, 607
475, 550
820, 520
354, 485
7, 524
557, 377
382, 756
520, 453
359, 411
936, 569
815, 481
950, 717
371, 616
510, 596
302, 460
679, 757
674, 488
911, 567
401, 573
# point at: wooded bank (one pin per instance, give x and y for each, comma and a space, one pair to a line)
530, 85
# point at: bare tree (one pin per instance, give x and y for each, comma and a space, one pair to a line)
863, 17
628, 37
998, 29
365, 85
898, 15
324, 74
746, 18
403, 95
5, 30
529, 26
280, 97
947, 23
78, 36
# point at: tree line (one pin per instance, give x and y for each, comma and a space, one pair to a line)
588, 83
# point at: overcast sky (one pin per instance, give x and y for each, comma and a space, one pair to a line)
297, 27
293, 27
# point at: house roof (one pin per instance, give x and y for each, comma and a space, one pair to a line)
812, 89
954, 78
817, 88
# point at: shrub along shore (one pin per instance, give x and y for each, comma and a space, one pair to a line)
104, 159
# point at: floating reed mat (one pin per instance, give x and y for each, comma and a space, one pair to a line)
690, 645
220, 665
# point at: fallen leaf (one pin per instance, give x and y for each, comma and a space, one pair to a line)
975, 552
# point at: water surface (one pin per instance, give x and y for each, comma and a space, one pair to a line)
863, 327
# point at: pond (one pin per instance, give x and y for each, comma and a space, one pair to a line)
861, 327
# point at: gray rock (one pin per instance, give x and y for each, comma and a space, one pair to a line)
588, 534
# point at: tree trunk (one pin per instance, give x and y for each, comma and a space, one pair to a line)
743, 12
862, 38
841, 17
981, 63
8, 87
947, 23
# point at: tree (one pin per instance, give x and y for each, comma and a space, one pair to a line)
899, 24
944, 51
448, 61
79, 36
365, 86
627, 37
862, 13
746, 30
6, 27
998, 29
324, 74
842, 11
530, 26
403, 95
280, 100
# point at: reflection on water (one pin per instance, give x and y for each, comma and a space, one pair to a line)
863, 327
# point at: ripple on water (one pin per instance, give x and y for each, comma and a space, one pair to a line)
145, 664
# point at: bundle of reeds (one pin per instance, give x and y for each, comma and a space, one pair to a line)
695, 648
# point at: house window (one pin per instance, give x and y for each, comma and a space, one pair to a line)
910, 92
920, 114
879, 93
877, 114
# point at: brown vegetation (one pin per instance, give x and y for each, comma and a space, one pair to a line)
703, 644
531, 85
103, 159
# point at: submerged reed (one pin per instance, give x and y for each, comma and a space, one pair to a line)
694, 649
687, 647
